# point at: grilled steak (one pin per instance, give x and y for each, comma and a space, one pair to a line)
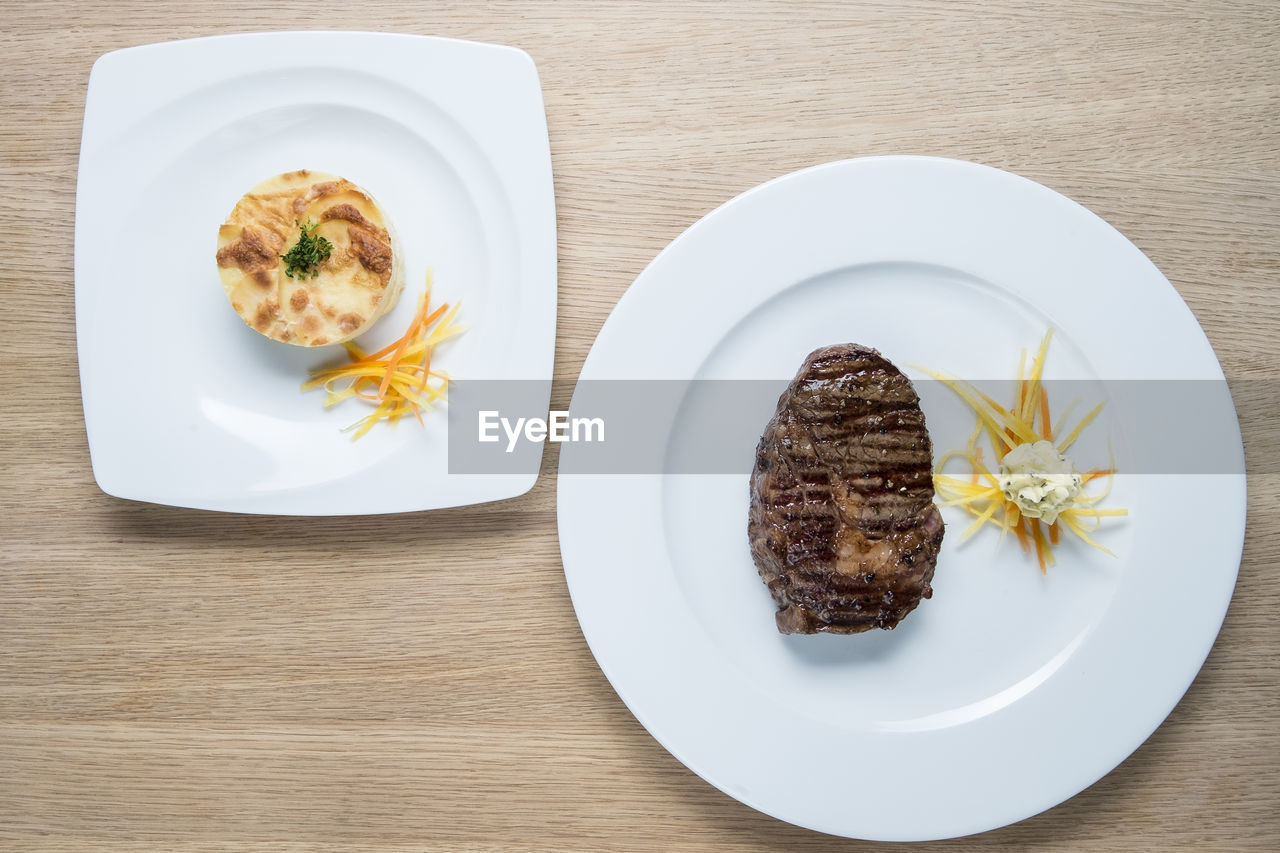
843, 527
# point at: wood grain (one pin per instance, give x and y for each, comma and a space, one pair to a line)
175, 680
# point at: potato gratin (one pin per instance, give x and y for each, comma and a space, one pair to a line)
309, 259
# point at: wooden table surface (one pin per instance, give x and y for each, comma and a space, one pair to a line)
180, 680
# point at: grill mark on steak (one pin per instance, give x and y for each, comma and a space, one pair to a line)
842, 526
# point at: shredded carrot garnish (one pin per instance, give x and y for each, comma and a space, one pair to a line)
1012, 509
397, 379
1044, 415
1027, 421
1042, 548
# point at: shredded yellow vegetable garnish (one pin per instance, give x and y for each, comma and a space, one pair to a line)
398, 379
1027, 420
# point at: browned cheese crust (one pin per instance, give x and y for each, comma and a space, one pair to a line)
357, 284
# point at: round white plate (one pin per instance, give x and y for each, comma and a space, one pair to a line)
1009, 691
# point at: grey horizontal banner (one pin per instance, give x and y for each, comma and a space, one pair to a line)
713, 426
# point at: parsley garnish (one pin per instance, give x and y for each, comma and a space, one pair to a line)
308, 253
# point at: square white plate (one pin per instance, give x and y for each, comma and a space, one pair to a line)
184, 404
